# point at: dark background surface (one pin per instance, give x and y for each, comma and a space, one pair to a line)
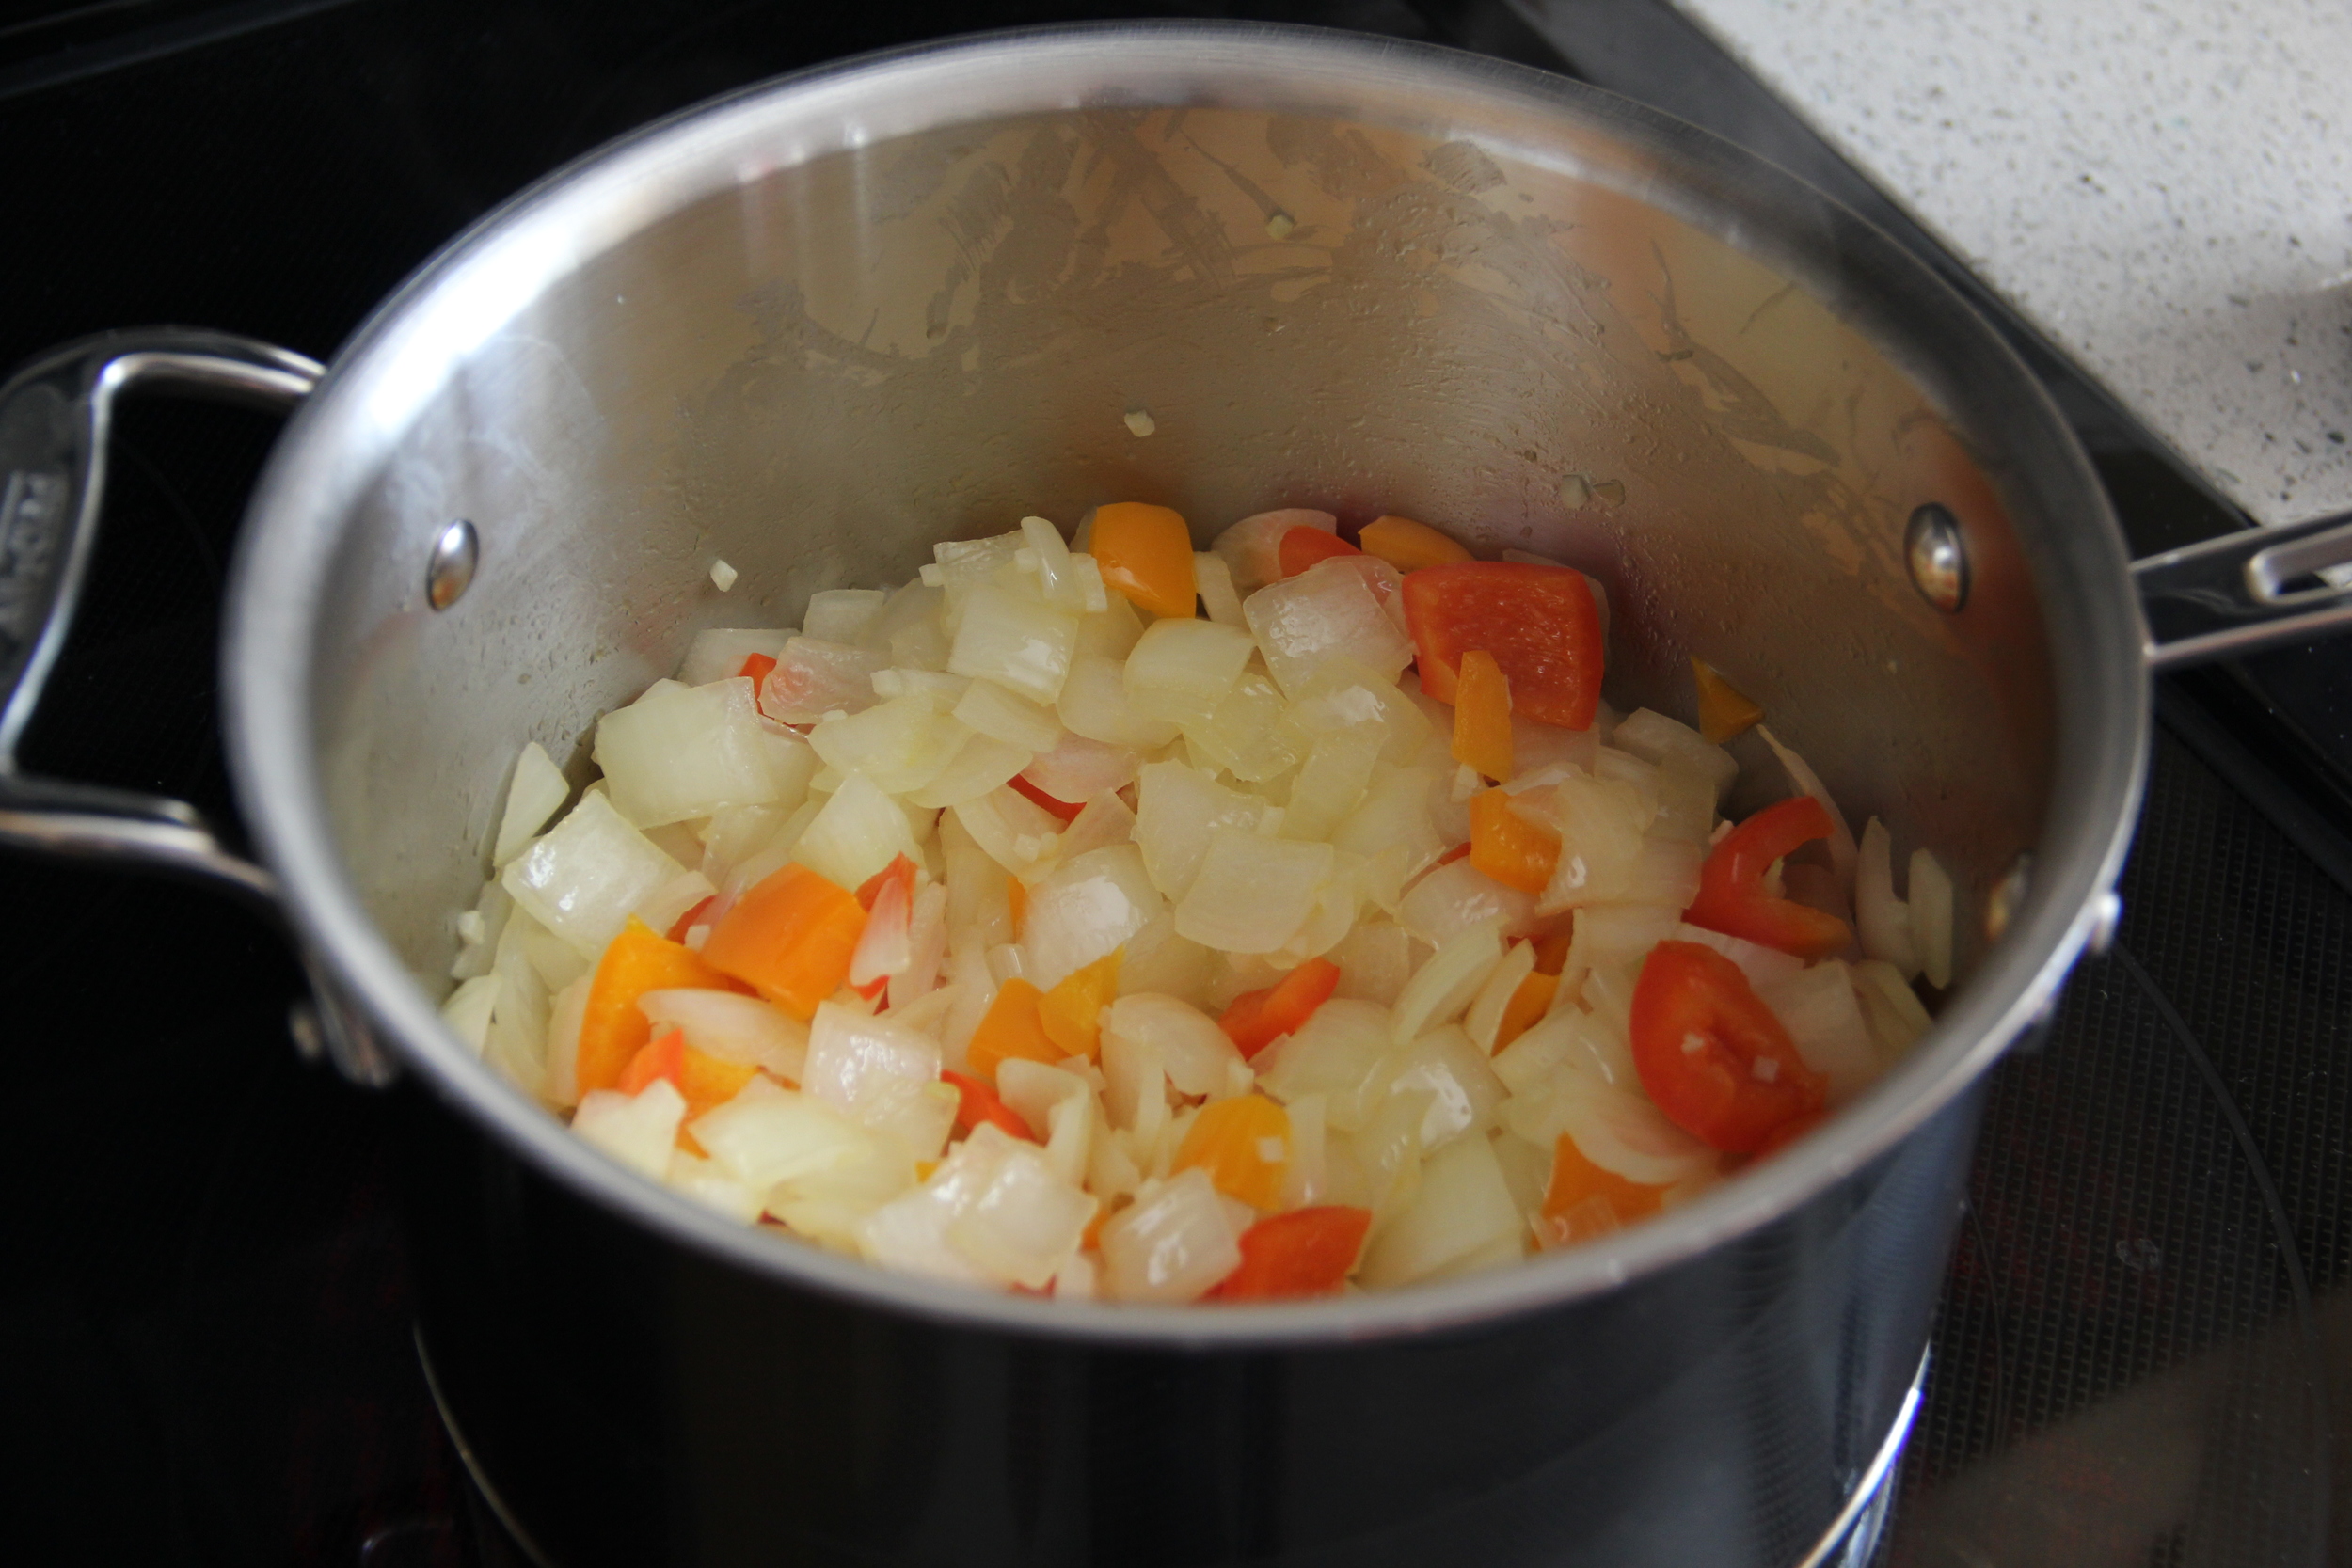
203, 1291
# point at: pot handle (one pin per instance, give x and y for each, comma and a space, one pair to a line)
2234, 595
55, 416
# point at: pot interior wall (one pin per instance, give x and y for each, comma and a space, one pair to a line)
1544, 343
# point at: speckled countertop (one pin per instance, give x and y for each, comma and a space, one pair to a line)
2163, 186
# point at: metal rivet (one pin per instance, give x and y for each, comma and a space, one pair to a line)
450, 571
1938, 557
2008, 898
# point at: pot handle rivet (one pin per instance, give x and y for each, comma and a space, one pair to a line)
449, 570
1938, 557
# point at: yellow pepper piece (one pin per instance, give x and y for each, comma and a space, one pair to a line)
1724, 710
1245, 1145
1145, 552
1408, 546
1072, 1013
1481, 716
1011, 1028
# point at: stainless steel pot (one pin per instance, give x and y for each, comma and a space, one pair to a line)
814, 327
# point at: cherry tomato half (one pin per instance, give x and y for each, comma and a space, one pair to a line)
1712, 1055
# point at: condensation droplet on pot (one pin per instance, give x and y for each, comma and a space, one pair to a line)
2008, 898
1280, 226
449, 570
1938, 557
1141, 423
722, 575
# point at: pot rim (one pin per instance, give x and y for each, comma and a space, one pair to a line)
466, 290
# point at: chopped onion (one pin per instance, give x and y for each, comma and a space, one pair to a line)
909, 1231
1762, 965
1087, 907
1323, 612
1463, 1205
1485, 1019
1841, 841
1250, 735
1009, 717
1180, 669
1135, 1083
561, 1087
1079, 769
1454, 1076
1252, 893
705, 1183
1601, 823
1213, 580
1025, 1222
859, 832
1456, 897
714, 656
1019, 643
536, 793
1193, 1050
884, 948
1105, 822
1345, 690
1619, 1130
813, 678
1094, 703
1667, 872
1537, 747
1658, 739
1252, 548
1111, 632
927, 949
911, 629
1617, 934
686, 750
767, 1134
1332, 781
983, 762
1177, 809
1444, 985
582, 878
1062, 578
661, 908
902, 744
468, 1010
1931, 900
1395, 815
1881, 920
1170, 1245
1894, 1011
1010, 829
636, 1129
840, 614
731, 1027
1817, 1005
1376, 960
1059, 1106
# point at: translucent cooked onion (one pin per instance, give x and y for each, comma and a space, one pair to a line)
1078, 768
1093, 703
1881, 920
1453, 1075
1376, 960
1601, 823
731, 1027
1618, 1130
1025, 1222
840, 614
1250, 735
1009, 717
767, 1134
1337, 1053
1762, 965
716, 655
1059, 1108
468, 1010
1213, 580
1931, 901
1193, 1050
1463, 1205
688, 750
983, 762
1170, 1245
1457, 897
1252, 548
911, 629
1842, 850
882, 1076
636, 1129
1444, 987
813, 678
1105, 822
1022, 643
1323, 612
1395, 814
900, 744
535, 794
1485, 1019
1086, 909
1252, 893
1894, 1011
1332, 781
582, 878
1177, 809
1663, 740
1817, 1006
1180, 669
1010, 829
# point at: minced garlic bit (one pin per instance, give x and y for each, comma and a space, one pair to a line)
721, 575
1141, 422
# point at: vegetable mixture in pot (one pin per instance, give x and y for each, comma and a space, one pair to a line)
1127, 922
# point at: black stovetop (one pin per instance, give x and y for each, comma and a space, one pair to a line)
203, 1273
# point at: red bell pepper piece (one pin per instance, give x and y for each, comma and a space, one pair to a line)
1306, 1252
757, 666
1301, 547
1062, 809
1713, 1056
1731, 885
975, 1103
1257, 1018
1539, 622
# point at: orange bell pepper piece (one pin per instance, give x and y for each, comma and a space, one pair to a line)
791, 938
1584, 1202
976, 1103
1481, 716
1527, 1007
757, 666
1230, 1140
1724, 710
611, 1029
657, 1059
1408, 546
1307, 1252
690, 919
1507, 846
1257, 1018
1072, 1013
1302, 546
1145, 552
1012, 1028
704, 1081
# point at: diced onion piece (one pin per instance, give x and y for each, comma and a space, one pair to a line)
1252, 548
1193, 1050
1463, 1205
714, 656
1624, 1133
1019, 643
638, 1130
909, 1231
662, 906
1842, 854
1931, 900
1086, 909
1601, 824
566, 1016
840, 615
1376, 960
1341, 1053
1881, 920
1485, 1019
1059, 580
684, 751
1172, 1245
1177, 809
1817, 1007
1105, 822
1896, 1015
1110, 632
1538, 749
468, 1010
1025, 1224
1569, 1040
1395, 814
1616, 934
1455, 1077
705, 1183
1250, 735
1010, 829
813, 678
1252, 893
731, 1027
1332, 781
1057, 1106
1079, 769
1458, 897
1667, 872
859, 832
1324, 613
1655, 738
901, 745
1343, 691
1180, 669
911, 629
767, 1134
1009, 717
1214, 577
1444, 987
1762, 965
535, 794
582, 878
982, 764
1093, 703
882, 1076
